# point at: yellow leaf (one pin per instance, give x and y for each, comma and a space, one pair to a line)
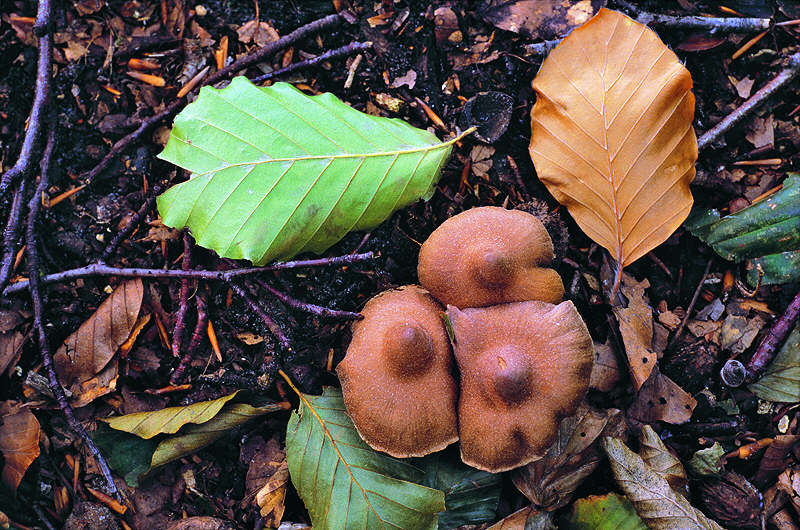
612, 135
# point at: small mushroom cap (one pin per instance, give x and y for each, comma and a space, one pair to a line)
397, 376
487, 256
524, 366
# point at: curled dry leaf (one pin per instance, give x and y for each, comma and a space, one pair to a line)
612, 135
19, 441
654, 501
656, 455
661, 399
84, 362
636, 328
549, 482
777, 457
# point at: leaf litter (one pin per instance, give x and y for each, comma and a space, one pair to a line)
573, 478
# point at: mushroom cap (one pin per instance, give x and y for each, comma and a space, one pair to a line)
397, 376
487, 256
524, 366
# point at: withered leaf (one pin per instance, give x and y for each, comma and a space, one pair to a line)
539, 20
84, 362
636, 328
19, 441
549, 482
654, 501
661, 399
612, 135
658, 458
776, 457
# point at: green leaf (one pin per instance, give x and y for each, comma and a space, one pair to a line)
471, 496
604, 512
654, 501
705, 462
781, 381
346, 484
137, 443
276, 172
767, 232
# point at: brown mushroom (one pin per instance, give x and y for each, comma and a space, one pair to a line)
487, 256
524, 366
397, 375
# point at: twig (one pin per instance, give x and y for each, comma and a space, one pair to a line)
755, 101
523, 189
353, 47
126, 232
11, 233
43, 29
714, 26
100, 269
183, 299
768, 348
217, 76
273, 326
691, 304
194, 342
305, 306
34, 207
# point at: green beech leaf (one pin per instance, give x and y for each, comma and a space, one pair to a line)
766, 233
781, 381
604, 512
471, 496
346, 484
276, 172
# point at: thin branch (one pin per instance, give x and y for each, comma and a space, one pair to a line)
44, 72
353, 47
692, 303
126, 232
241, 64
11, 233
776, 335
99, 269
755, 101
194, 342
34, 207
305, 306
183, 298
273, 326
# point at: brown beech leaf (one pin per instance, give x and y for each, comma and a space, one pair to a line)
654, 501
549, 482
19, 441
656, 455
636, 328
612, 135
661, 399
84, 362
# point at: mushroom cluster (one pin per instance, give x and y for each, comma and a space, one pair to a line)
524, 357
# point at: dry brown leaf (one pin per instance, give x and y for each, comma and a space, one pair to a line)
84, 362
540, 20
10, 349
777, 457
658, 458
605, 372
19, 441
612, 135
260, 33
549, 482
266, 482
528, 518
789, 483
661, 399
636, 328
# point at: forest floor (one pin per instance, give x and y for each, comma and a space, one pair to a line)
117, 63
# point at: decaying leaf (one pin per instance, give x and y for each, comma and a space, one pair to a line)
658, 458
612, 135
19, 441
11, 343
536, 19
276, 172
344, 482
766, 233
654, 501
781, 381
85, 362
789, 483
661, 399
549, 482
604, 511
636, 328
732, 501
777, 457
528, 518
266, 480
605, 371
135, 444
705, 462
